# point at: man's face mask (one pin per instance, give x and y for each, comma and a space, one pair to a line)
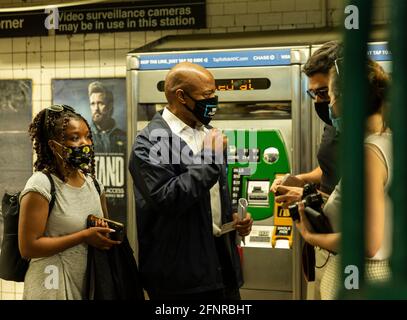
78, 157
205, 109
322, 110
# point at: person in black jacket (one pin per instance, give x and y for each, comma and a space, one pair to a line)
182, 197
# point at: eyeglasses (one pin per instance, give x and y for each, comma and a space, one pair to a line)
60, 108
322, 93
55, 108
338, 65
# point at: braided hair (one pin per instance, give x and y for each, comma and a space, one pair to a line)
52, 126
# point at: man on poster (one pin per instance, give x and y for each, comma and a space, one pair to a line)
107, 137
110, 149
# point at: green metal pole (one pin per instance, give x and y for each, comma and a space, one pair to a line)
397, 287
354, 103
398, 120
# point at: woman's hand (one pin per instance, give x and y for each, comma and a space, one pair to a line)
97, 237
303, 226
101, 223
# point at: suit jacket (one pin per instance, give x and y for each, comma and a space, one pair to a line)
177, 251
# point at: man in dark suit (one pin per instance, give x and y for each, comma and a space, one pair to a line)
182, 197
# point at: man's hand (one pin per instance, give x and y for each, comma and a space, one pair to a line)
215, 141
289, 195
244, 227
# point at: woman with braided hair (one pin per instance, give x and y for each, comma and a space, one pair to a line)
57, 241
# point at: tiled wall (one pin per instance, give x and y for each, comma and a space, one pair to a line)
103, 55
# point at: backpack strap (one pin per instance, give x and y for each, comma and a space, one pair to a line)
96, 184
53, 196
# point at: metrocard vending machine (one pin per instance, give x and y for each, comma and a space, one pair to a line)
255, 158
265, 113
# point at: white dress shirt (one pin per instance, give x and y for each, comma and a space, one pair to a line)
194, 138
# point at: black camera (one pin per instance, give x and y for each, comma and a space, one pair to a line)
313, 202
311, 199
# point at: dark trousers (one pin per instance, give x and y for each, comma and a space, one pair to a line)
230, 291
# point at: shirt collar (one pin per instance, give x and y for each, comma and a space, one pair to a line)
176, 124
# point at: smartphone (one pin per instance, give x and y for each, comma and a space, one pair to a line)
118, 227
292, 181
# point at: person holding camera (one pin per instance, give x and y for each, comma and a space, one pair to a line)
56, 241
325, 176
378, 170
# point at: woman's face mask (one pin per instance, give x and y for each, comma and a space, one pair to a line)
336, 121
205, 109
78, 157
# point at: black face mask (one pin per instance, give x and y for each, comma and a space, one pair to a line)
79, 157
205, 109
322, 111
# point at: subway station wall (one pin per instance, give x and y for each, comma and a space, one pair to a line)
42, 59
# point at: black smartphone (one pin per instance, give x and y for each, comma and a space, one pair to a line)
118, 227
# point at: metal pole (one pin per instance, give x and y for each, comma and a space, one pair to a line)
398, 120
354, 103
397, 287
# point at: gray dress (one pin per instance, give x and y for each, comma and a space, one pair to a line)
62, 276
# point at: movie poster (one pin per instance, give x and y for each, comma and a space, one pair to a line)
102, 102
16, 163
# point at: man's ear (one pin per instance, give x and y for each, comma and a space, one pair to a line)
111, 110
180, 95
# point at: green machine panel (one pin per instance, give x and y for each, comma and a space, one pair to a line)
254, 158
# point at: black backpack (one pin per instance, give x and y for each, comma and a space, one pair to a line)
13, 267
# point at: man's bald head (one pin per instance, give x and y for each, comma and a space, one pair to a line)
185, 84
186, 76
